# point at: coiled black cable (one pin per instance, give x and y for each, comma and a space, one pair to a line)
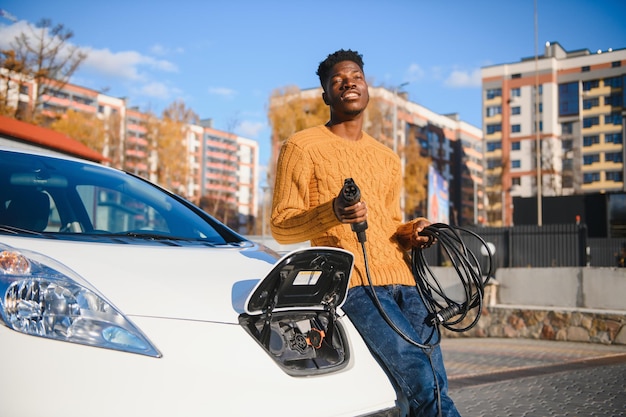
446, 311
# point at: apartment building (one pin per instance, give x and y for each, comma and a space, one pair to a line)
454, 147
553, 125
229, 174
221, 165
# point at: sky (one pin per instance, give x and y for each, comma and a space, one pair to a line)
224, 58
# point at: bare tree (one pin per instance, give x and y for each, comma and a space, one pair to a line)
48, 58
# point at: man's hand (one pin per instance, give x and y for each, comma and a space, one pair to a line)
408, 234
355, 213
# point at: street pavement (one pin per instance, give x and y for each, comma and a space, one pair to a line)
535, 378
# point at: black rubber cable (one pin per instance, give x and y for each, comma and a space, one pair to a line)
444, 311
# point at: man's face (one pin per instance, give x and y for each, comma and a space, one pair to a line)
346, 89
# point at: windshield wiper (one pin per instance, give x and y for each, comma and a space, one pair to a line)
17, 230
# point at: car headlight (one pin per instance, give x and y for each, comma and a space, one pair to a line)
41, 297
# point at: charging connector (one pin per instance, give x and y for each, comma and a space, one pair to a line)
350, 195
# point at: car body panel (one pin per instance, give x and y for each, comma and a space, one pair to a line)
198, 283
207, 369
183, 294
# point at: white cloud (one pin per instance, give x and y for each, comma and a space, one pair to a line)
463, 79
414, 73
161, 50
250, 129
156, 90
8, 33
222, 91
126, 64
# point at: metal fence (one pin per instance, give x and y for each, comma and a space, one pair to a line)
537, 246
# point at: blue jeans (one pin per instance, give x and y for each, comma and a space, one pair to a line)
408, 365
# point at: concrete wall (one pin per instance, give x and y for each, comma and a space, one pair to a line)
578, 287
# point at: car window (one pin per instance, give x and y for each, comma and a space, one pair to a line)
111, 211
49, 195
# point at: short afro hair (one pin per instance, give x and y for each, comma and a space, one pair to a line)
323, 71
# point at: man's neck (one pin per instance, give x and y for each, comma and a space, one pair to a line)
350, 129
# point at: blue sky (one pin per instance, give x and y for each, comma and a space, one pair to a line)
224, 58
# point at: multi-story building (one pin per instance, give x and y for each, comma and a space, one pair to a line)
221, 165
230, 178
553, 125
454, 146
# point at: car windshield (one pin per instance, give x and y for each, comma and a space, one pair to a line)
58, 196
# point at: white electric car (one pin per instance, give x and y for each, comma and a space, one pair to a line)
119, 298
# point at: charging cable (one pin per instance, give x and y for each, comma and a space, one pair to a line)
443, 309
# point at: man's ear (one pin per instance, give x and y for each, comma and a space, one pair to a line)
325, 98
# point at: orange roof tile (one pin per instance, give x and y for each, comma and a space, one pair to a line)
47, 138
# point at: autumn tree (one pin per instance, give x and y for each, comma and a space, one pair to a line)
168, 139
113, 147
415, 180
84, 127
290, 111
48, 58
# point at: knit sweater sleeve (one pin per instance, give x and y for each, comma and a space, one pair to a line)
293, 218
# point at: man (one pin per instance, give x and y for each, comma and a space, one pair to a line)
312, 167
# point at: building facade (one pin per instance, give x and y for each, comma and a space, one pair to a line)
553, 125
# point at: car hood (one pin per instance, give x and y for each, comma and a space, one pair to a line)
190, 283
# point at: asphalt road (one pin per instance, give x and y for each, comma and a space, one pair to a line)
535, 378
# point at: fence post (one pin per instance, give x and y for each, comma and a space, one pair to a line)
584, 258
508, 238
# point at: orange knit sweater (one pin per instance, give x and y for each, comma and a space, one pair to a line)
312, 167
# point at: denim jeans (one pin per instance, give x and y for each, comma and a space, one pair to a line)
408, 365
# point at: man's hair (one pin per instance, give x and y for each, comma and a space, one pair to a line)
326, 66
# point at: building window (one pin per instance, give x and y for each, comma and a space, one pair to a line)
591, 121
613, 157
616, 64
585, 68
516, 128
493, 93
516, 181
516, 146
567, 145
589, 85
493, 163
613, 118
493, 146
613, 138
568, 99
614, 100
591, 159
590, 103
516, 92
589, 177
591, 140
613, 82
493, 110
516, 110
616, 176
494, 128
513, 76
567, 128
515, 163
